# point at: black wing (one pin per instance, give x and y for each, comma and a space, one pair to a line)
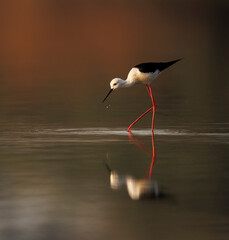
152, 67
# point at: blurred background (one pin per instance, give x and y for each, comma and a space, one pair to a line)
57, 58
61, 56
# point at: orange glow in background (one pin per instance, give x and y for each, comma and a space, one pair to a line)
70, 50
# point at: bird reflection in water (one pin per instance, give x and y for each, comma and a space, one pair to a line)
137, 188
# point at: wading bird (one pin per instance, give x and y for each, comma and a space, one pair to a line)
142, 73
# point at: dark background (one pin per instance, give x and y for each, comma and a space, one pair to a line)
61, 56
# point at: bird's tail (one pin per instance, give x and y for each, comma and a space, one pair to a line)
168, 64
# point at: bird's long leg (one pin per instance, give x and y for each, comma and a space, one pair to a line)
154, 106
132, 124
148, 87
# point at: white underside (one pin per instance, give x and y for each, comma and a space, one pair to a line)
138, 77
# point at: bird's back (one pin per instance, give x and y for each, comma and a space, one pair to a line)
151, 67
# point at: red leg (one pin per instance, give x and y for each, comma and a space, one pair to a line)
132, 124
154, 106
153, 147
148, 87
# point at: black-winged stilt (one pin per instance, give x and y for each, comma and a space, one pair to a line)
142, 73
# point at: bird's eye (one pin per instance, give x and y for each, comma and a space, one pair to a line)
115, 84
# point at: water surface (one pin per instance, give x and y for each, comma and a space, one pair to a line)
54, 183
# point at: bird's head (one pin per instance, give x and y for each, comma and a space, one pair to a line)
115, 84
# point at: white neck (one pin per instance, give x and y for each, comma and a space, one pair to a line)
126, 83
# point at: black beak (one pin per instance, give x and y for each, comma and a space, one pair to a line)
107, 95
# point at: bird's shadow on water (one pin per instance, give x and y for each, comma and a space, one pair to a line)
142, 188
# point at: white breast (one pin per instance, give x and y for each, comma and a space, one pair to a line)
133, 75
139, 77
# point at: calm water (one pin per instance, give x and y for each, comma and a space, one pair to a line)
55, 183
